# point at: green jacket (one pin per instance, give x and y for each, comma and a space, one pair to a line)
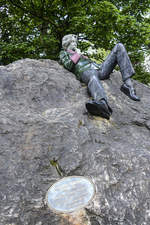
82, 65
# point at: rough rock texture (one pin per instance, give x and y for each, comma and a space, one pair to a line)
46, 133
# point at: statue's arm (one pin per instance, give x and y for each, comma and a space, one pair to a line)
65, 60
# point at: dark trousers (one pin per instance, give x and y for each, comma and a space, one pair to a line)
92, 77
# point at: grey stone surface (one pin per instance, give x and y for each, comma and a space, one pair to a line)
46, 133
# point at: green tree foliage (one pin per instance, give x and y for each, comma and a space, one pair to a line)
34, 28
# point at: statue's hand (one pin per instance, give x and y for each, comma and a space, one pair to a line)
78, 50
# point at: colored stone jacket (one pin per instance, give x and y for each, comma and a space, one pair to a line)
76, 63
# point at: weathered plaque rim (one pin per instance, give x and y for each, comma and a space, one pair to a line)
80, 207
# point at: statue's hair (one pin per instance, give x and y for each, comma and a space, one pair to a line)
67, 40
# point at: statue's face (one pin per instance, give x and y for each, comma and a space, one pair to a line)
73, 43
69, 42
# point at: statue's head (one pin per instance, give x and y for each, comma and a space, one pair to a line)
69, 42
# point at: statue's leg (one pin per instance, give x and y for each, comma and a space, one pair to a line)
95, 88
99, 105
118, 56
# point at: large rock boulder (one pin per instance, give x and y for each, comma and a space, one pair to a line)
46, 134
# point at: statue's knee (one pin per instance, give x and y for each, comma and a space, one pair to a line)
120, 46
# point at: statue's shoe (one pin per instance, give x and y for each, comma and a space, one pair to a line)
129, 92
99, 108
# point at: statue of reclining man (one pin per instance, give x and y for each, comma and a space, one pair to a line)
91, 73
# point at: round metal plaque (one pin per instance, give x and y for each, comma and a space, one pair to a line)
70, 194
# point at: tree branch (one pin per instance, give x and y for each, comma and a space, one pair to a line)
32, 13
